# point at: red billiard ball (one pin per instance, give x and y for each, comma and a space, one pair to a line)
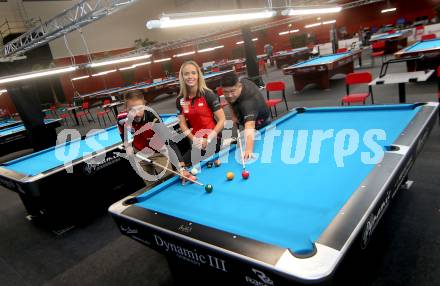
245, 174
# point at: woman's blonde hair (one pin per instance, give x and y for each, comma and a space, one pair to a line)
201, 84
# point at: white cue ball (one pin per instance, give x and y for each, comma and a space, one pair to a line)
194, 171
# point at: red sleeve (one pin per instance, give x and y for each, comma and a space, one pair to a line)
121, 120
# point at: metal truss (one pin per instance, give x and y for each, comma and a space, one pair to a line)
81, 14
212, 36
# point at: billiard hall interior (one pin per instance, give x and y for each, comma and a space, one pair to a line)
76, 210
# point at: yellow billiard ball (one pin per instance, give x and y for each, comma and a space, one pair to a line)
229, 176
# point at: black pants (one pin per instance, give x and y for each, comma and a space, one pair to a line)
203, 153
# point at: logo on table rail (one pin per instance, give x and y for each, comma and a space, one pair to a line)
264, 280
273, 145
190, 255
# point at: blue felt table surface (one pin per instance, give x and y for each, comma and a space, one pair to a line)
7, 122
320, 60
281, 204
424, 45
48, 159
19, 128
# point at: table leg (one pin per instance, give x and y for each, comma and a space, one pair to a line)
115, 111
402, 93
74, 116
360, 60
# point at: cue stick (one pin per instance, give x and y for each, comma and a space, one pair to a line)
240, 147
142, 157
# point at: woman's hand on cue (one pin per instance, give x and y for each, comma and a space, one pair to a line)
198, 142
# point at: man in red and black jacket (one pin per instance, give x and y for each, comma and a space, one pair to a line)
144, 138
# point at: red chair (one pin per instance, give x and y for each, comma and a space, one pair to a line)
83, 113
223, 102
391, 32
239, 67
48, 114
106, 101
262, 67
101, 113
53, 109
357, 78
378, 50
215, 69
341, 50
64, 114
428, 37
276, 86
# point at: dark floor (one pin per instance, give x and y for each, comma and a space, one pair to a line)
404, 251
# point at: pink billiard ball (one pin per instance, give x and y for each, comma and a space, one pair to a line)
245, 174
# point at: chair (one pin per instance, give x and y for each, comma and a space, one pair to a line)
378, 50
262, 67
83, 113
215, 70
48, 114
275, 86
101, 113
428, 37
420, 30
63, 114
106, 101
53, 109
357, 78
341, 50
239, 67
86, 109
391, 32
223, 102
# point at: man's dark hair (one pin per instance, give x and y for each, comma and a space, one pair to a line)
134, 94
229, 79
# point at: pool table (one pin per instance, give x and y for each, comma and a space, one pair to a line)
15, 138
151, 89
231, 64
393, 41
319, 70
286, 58
295, 217
53, 187
429, 49
8, 123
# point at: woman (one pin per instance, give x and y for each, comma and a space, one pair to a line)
199, 107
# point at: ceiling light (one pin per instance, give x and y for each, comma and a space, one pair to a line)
161, 60
312, 25
210, 49
388, 10
80, 77
126, 68
36, 74
185, 54
187, 20
310, 11
103, 73
118, 61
